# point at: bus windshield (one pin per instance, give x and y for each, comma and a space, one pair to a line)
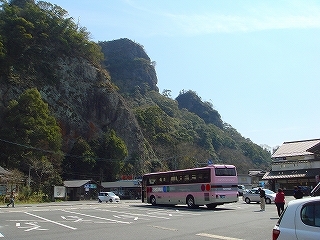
225, 172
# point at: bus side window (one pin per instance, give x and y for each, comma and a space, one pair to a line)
199, 178
193, 178
186, 178
151, 181
206, 177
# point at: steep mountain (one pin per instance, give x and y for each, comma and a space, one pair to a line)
184, 132
137, 70
89, 96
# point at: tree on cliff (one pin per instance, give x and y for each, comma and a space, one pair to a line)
31, 139
80, 162
34, 35
111, 151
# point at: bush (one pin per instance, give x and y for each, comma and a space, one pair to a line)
26, 196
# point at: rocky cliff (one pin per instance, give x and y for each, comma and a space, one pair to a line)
85, 104
130, 67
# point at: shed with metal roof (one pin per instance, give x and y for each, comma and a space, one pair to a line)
82, 189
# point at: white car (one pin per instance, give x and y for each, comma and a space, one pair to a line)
108, 197
300, 220
253, 195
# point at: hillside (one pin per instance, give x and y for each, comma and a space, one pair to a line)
105, 100
183, 132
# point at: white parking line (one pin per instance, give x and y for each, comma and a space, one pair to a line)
164, 228
217, 236
86, 215
48, 220
133, 214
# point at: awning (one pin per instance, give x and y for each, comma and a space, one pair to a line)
301, 173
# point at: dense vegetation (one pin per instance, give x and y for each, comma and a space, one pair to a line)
182, 139
33, 36
183, 133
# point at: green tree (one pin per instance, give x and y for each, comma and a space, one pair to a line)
111, 151
32, 138
80, 161
34, 35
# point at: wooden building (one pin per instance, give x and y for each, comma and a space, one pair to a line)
295, 164
82, 189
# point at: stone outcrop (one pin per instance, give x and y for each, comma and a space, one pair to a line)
130, 67
85, 104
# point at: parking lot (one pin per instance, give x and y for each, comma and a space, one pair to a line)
135, 220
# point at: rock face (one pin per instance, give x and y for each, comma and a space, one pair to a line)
130, 67
85, 104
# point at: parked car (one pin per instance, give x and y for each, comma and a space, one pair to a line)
300, 220
108, 197
253, 195
241, 190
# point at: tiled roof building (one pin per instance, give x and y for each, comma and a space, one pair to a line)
295, 164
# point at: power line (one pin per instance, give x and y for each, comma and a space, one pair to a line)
57, 153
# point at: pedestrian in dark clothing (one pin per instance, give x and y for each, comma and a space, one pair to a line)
298, 193
280, 201
11, 200
262, 199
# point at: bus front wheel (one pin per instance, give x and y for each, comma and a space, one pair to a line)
190, 202
153, 200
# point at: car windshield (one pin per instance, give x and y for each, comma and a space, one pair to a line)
269, 191
111, 194
254, 191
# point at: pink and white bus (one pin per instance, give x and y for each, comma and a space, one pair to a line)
211, 186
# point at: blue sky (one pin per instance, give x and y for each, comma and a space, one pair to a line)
256, 61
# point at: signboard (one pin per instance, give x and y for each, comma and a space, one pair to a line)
92, 185
59, 192
3, 190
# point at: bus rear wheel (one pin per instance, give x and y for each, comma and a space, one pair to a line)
190, 202
153, 200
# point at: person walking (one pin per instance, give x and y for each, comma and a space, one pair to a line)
298, 193
262, 199
11, 200
280, 201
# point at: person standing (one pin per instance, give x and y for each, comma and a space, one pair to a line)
262, 199
11, 200
298, 193
280, 201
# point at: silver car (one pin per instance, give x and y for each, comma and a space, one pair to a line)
108, 197
300, 220
253, 195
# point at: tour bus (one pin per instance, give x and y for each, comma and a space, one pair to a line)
211, 186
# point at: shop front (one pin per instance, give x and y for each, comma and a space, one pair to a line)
287, 180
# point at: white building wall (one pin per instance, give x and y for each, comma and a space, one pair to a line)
283, 166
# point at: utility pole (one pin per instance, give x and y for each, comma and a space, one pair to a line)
29, 177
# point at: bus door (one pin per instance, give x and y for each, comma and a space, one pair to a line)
143, 190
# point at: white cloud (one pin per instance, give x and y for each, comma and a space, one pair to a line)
206, 24
249, 16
